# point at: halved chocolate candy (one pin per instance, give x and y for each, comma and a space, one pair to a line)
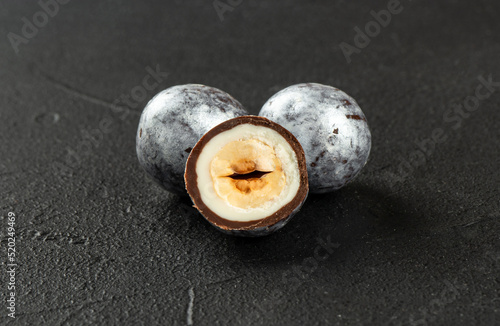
247, 176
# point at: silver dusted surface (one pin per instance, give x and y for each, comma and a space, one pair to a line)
171, 124
331, 128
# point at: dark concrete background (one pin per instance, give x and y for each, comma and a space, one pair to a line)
99, 243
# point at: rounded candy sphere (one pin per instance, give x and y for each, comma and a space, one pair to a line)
331, 128
173, 122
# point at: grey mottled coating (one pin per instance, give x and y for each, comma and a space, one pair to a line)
331, 128
171, 124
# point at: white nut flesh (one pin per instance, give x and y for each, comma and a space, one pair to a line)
247, 173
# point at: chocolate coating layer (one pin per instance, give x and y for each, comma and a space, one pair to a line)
268, 224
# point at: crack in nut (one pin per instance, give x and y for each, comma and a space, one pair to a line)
247, 173
252, 175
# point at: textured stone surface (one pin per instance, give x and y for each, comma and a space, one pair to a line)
99, 243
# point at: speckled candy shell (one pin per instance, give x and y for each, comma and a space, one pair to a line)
171, 124
331, 128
